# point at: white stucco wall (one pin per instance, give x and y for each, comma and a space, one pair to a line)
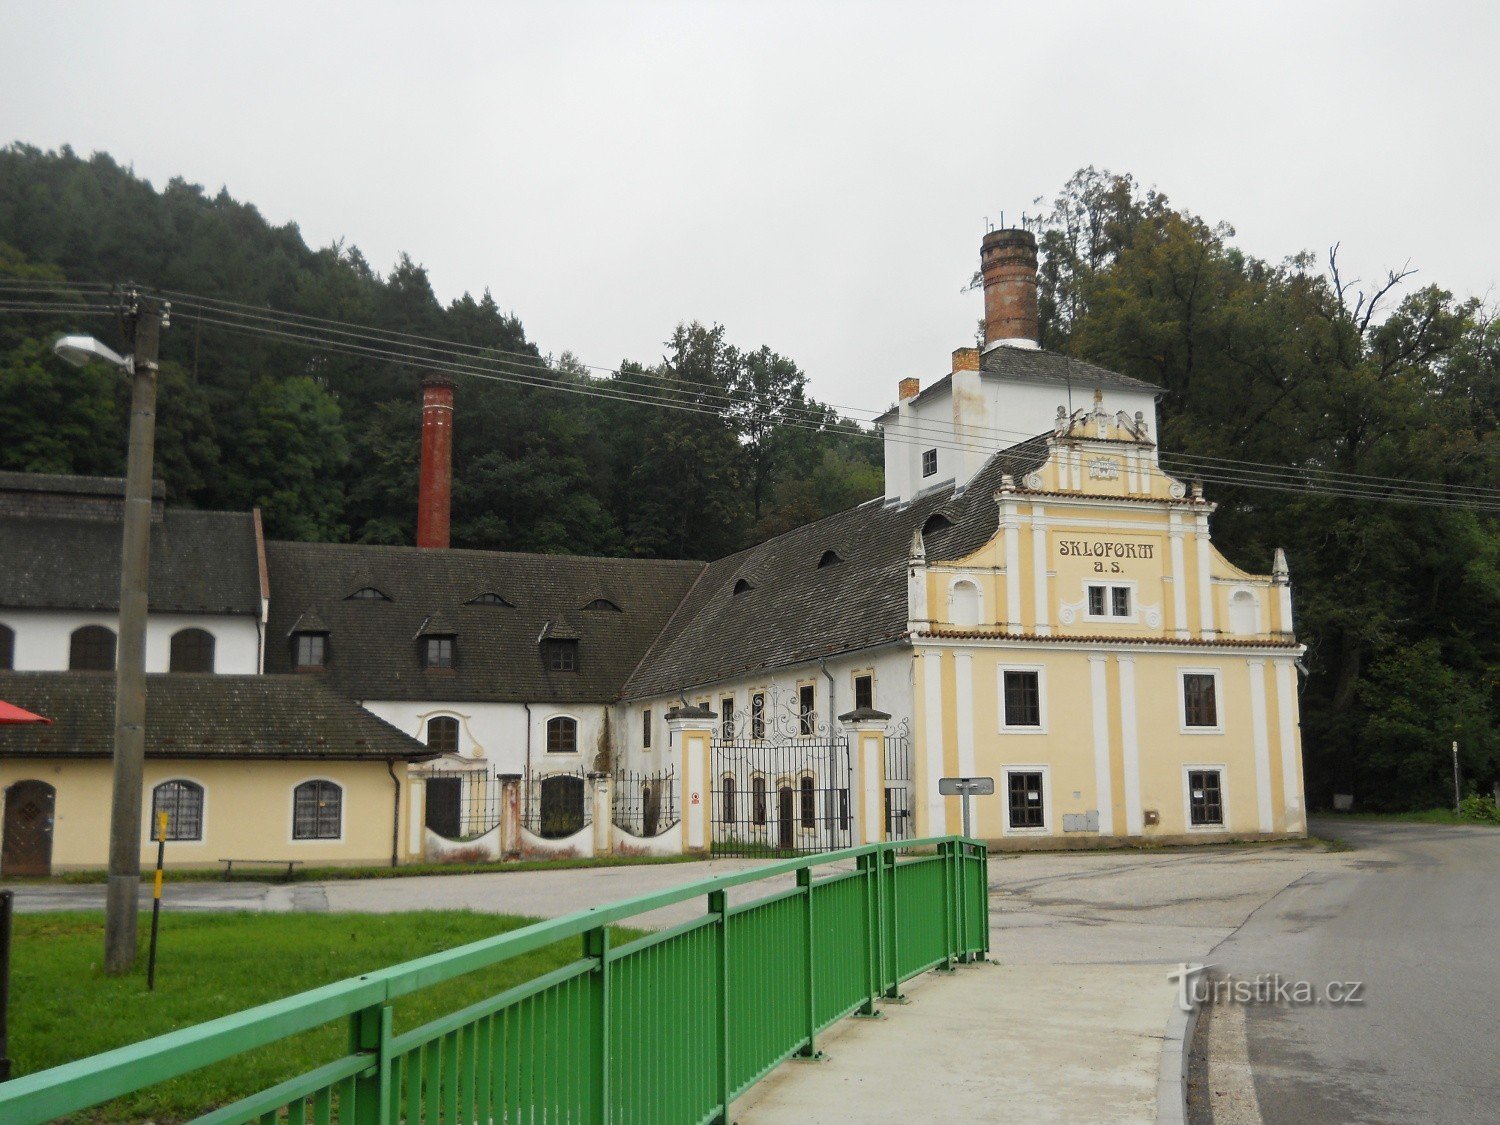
496, 732
43, 635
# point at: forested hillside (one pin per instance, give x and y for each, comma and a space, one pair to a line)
1265, 362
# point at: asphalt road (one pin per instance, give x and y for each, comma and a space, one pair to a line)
1414, 916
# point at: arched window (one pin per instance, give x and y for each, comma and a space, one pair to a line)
317, 811
442, 734
562, 736
726, 797
830, 558
7, 647
1244, 613
489, 597
758, 800
368, 594
743, 584
964, 603
92, 649
562, 810
605, 605
935, 523
182, 801
192, 651
808, 802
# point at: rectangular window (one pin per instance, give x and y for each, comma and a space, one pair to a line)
1200, 705
646, 729
1120, 601
807, 716
758, 715
1205, 798
929, 463
182, 801
864, 692
560, 656
726, 718
440, 652
311, 650
1096, 601
1024, 791
1023, 699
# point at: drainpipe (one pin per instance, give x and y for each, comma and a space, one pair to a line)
390, 767
833, 710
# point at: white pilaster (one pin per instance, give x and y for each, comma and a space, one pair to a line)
1104, 791
1179, 578
1291, 775
1261, 742
1011, 522
1039, 568
963, 682
1134, 822
1205, 582
932, 706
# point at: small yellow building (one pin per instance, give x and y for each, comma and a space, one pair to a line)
247, 767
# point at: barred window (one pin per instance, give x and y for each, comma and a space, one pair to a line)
726, 718
808, 802
727, 797
1025, 799
1205, 797
92, 649
1200, 705
442, 734
182, 801
758, 800
562, 736
1096, 601
758, 715
192, 651
1119, 598
1023, 699
317, 811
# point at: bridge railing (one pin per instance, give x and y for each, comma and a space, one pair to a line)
672, 1026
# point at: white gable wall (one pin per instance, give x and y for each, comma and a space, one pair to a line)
43, 637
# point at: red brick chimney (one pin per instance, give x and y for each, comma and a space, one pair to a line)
1007, 259
435, 492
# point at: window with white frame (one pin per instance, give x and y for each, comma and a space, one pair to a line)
1110, 601
1025, 793
1200, 700
929, 462
1205, 793
317, 811
726, 718
182, 801
1023, 700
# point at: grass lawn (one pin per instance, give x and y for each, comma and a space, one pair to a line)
63, 1007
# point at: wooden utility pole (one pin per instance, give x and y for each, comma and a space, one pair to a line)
121, 904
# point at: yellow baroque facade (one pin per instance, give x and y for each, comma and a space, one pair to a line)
1099, 658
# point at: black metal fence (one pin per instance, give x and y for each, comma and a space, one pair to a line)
462, 804
898, 783
556, 805
645, 804
781, 798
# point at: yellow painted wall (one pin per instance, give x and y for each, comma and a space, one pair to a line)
247, 810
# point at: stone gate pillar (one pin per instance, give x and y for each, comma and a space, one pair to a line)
692, 734
604, 812
866, 728
510, 815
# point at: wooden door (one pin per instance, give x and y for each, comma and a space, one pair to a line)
444, 804
27, 846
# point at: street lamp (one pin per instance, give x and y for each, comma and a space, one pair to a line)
130, 665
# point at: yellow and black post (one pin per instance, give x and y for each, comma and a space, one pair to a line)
161, 855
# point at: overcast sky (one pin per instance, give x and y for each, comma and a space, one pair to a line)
813, 176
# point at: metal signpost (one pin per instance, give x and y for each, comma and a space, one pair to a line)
966, 787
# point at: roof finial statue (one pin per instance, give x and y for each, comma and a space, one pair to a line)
1280, 574
1060, 423
918, 547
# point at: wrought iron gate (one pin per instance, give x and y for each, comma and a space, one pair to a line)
780, 785
898, 782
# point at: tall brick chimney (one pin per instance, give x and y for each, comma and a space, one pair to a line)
435, 491
1007, 259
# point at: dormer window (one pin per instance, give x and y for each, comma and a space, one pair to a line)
742, 584
603, 605
368, 594
560, 655
309, 651
935, 523
439, 653
489, 597
830, 558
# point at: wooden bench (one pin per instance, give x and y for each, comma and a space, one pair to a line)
290, 864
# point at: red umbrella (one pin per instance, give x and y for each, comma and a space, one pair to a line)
11, 715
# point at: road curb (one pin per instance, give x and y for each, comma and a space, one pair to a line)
1171, 1081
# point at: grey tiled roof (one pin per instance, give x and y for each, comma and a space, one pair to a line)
67, 483
1035, 363
196, 716
795, 610
201, 562
372, 645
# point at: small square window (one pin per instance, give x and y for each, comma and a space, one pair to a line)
438, 653
310, 650
1023, 699
1205, 798
929, 463
1097, 601
560, 656
1119, 598
1200, 705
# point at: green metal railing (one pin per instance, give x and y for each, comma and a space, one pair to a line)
669, 1027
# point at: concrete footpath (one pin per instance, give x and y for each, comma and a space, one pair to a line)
987, 1043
